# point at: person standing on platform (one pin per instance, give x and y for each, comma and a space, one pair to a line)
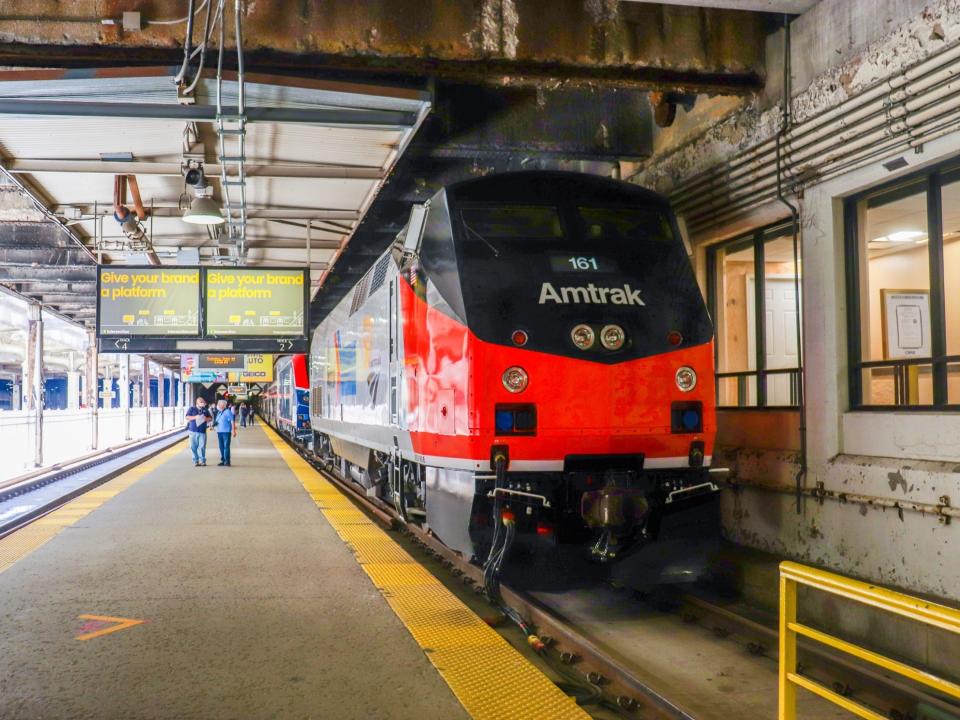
226, 430
198, 419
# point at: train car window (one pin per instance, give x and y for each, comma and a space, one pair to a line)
632, 224
529, 222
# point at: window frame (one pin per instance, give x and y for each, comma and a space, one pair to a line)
931, 180
757, 238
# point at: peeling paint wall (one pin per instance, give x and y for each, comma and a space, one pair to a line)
840, 49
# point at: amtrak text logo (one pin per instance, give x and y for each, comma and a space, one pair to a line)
591, 294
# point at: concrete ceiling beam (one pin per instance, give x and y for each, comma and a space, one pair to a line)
631, 44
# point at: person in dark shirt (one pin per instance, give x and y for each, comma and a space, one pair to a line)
198, 420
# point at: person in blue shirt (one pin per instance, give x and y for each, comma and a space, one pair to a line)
226, 430
198, 420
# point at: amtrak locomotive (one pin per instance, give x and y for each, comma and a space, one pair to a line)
533, 351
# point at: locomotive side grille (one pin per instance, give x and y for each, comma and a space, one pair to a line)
379, 274
361, 293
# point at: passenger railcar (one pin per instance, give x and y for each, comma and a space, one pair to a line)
533, 350
286, 401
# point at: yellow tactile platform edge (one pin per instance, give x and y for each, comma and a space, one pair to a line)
27, 539
489, 677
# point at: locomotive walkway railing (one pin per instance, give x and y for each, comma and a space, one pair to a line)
793, 575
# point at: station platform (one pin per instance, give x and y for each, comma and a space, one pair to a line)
254, 591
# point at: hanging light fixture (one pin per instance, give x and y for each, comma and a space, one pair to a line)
203, 211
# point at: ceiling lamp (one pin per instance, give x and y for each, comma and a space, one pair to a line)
203, 211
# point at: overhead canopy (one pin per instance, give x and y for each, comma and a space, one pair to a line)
316, 155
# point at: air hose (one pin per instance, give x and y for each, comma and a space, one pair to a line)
504, 533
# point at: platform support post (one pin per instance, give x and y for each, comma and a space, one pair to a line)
93, 397
73, 383
787, 690
145, 394
124, 390
33, 378
162, 395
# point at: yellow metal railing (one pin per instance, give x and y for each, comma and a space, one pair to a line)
792, 575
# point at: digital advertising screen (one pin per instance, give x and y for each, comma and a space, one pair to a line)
148, 301
256, 302
229, 367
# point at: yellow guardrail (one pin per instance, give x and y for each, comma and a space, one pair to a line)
793, 575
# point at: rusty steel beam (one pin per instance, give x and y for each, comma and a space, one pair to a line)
642, 45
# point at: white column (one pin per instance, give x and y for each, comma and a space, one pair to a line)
124, 390
73, 383
145, 380
161, 397
93, 371
34, 381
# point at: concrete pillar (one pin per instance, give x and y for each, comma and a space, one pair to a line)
93, 369
124, 390
145, 379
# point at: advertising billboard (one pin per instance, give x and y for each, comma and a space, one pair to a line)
234, 368
148, 301
256, 302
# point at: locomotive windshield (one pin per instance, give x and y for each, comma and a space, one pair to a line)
531, 267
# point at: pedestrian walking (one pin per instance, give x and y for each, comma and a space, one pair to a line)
226, 430
244, 413
198, 420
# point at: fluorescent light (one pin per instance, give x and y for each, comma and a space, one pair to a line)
905, 236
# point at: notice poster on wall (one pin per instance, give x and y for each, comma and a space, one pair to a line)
256, 302
905, 316
148, 301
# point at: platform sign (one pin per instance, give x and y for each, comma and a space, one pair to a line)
148, 301
256, 302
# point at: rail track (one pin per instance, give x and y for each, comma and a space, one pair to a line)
46, 482
617, 676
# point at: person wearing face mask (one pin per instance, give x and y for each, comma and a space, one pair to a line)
198, 419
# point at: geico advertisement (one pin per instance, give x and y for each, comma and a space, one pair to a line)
255, 302
149, 301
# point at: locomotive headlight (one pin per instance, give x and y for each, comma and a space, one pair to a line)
515, 379
686, 379
612, 337
583, 336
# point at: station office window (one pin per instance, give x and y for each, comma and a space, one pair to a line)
903, 280
753, 299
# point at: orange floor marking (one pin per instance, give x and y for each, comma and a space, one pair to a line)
121, 624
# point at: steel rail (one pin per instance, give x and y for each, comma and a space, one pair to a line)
597, 666
32, 482
612, 674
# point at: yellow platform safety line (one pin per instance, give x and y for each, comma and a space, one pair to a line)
793, 575
24, 541
487, 675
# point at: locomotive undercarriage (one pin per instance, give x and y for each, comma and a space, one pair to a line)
649, 525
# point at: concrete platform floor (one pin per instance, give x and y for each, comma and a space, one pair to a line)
253, 608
